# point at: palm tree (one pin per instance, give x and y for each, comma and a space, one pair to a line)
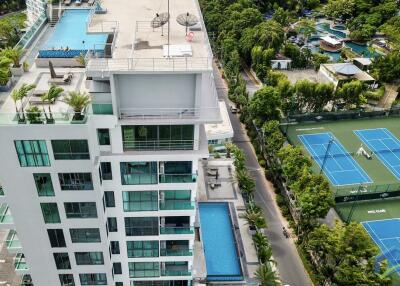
265, 254
266, 275
14, 54
19, 94
260, 239
81, 59
4, 70
78, 101
306, 27
254, 217
51, 97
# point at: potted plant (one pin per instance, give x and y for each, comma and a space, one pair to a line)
78, 101
51, 97
34, 114
81, 60
5, 76
17, 95
15, 54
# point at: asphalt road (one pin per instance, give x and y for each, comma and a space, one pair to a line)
290, 266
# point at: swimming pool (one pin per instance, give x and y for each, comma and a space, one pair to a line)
222, 260
70, 39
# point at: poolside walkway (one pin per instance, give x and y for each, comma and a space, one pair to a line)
290, 266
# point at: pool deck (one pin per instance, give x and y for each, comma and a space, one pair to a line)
228, 192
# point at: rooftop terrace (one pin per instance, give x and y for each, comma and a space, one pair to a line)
146, 45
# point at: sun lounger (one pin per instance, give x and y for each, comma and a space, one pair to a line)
90, 2
67, 2
66, 79
78, 2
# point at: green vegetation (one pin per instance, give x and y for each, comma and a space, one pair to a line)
7, 6
10, 29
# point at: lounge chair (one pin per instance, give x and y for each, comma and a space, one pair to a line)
91, 2
78, 2
66, 79
67, 2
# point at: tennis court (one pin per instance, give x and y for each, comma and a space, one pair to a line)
385, 145
386, 234
337, 164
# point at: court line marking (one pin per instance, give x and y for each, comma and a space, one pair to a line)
356, 167
394, 259
381, 158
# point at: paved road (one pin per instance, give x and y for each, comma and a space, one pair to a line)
290, 266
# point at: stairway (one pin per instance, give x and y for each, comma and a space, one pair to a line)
54, 17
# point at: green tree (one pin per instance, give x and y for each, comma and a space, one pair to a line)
78, 101
281, 16
352, 93
387, 68
265, 104
293, 162
273, 136
266, 276
343, 9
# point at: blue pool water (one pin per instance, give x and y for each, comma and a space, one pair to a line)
70, 32
325, 27
222, 260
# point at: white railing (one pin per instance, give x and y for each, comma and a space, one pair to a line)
102, 27
150, 64
169, 113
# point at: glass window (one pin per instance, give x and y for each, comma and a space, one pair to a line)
106, 171
176, 172
50, 212
75, 181
112, 224
62, 260
44, 186
66, 279
103, 136
56, 237
140, 201
109, 199
93, 279
144, 269
139, 226
114, 245
89, 258
32, 153
70, 149
119, 284
158, 137
142, 248
81, 210
85, 235
138, 173
117, 268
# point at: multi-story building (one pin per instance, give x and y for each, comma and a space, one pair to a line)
107, 196
35, 10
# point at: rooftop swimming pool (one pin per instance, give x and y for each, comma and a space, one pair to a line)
70, 38
222, 260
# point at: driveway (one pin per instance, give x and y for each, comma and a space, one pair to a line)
290, 266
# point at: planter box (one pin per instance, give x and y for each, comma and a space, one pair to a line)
17, 71
6, 87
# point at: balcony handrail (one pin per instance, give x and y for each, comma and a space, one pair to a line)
159, 144
150, 64
164, 113
176, 252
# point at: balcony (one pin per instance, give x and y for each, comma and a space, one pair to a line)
178, 178
175, 248
182, 272
157, 145
1, 191
177, 230
41, 118
177, 205
12, 242
20, 264
5, 215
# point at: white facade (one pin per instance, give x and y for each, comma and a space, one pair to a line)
35, 9
155, 121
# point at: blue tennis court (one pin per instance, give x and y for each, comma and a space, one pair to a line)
385, 145
338, 165
386, 234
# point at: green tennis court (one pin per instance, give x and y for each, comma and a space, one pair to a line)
383, 179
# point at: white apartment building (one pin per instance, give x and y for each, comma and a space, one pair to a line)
35, 10
108, 196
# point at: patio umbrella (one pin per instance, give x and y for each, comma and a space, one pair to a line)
187, 20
